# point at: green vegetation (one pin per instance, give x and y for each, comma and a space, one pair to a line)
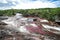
48, 13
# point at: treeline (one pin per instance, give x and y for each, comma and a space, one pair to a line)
48, 13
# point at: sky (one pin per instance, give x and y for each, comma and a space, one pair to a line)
28, 4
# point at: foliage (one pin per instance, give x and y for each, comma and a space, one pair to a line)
48, 13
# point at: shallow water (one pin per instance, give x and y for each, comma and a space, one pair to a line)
19, 36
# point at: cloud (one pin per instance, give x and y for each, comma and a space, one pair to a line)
36, 4
57, 3
28, 4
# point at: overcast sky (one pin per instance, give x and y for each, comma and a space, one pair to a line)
28, 4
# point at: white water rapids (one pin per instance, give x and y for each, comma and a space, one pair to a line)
18, 23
